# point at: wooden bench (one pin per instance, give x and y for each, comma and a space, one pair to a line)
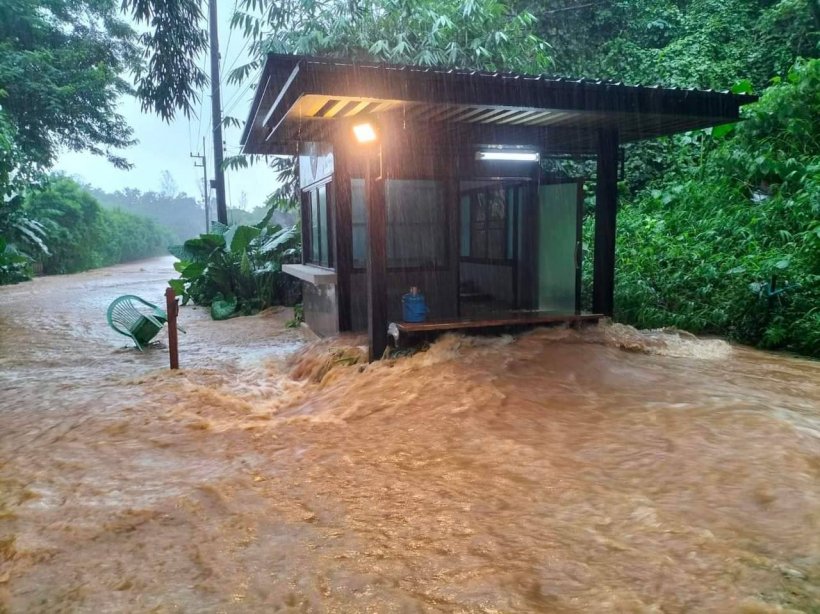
400, 330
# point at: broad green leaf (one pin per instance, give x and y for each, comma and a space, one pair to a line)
240, 237
223, 308
203, 246
277, 240
742, 87
722, 130
193, 270
178, 287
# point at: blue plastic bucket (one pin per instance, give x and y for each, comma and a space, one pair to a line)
414, 308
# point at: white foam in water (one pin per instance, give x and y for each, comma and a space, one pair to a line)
604, 469
663, 342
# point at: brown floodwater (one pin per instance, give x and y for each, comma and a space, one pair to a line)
606, 470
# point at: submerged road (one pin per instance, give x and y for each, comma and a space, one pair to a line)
610, 470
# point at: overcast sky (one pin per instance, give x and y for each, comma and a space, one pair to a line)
165, 146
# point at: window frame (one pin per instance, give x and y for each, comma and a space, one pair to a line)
309, 198
511, 221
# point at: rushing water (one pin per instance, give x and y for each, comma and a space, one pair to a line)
606, 470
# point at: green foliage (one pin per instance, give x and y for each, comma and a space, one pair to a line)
487, 34
181, 214
82, 235
683, 43
20, 236
715, 43
61, 67
172, 41
481, 34
678, 43
276, 210
732, 245
238, 271
298, 316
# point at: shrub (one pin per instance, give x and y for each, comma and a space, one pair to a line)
238, 269
732, 245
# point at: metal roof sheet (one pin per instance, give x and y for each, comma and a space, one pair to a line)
303, 93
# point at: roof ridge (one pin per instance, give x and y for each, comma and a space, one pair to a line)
544, 76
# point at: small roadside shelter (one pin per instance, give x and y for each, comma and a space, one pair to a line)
433, 178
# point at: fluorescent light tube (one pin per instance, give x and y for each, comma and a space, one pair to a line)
509, 156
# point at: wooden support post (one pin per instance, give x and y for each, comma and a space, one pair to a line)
172, 309
606, 208
528, 260
376, 260
343, 239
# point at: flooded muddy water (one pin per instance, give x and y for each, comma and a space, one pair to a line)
606, 470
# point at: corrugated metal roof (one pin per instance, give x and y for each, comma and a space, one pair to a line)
299, 95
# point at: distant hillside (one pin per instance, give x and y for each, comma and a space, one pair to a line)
182, 215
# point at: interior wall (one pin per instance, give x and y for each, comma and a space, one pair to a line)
495, 280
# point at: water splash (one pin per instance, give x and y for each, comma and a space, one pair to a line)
604, 469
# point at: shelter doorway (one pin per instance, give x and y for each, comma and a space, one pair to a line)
519, 247
490, 251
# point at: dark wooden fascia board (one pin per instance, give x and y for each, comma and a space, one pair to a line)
526, 92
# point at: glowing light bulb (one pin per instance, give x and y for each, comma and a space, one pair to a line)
365, 133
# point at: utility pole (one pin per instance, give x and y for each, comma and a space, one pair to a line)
216, 110
206, 189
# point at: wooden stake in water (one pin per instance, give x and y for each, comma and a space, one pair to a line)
172, 308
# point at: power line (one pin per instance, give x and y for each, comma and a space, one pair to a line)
201, 114
190, 142
227, 73
230, 34
237, 97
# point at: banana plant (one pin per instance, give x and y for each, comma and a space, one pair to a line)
237, 270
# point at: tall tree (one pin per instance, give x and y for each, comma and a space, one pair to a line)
169, 79
483, 34
683, 43
61, 73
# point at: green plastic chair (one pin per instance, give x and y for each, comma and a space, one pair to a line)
136, 318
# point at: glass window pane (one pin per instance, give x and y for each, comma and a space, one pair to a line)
478, 242
324, 246
314, 227
496, 247
480, 210
496, 209
465, 226
359, 215
511, 208
415, 223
